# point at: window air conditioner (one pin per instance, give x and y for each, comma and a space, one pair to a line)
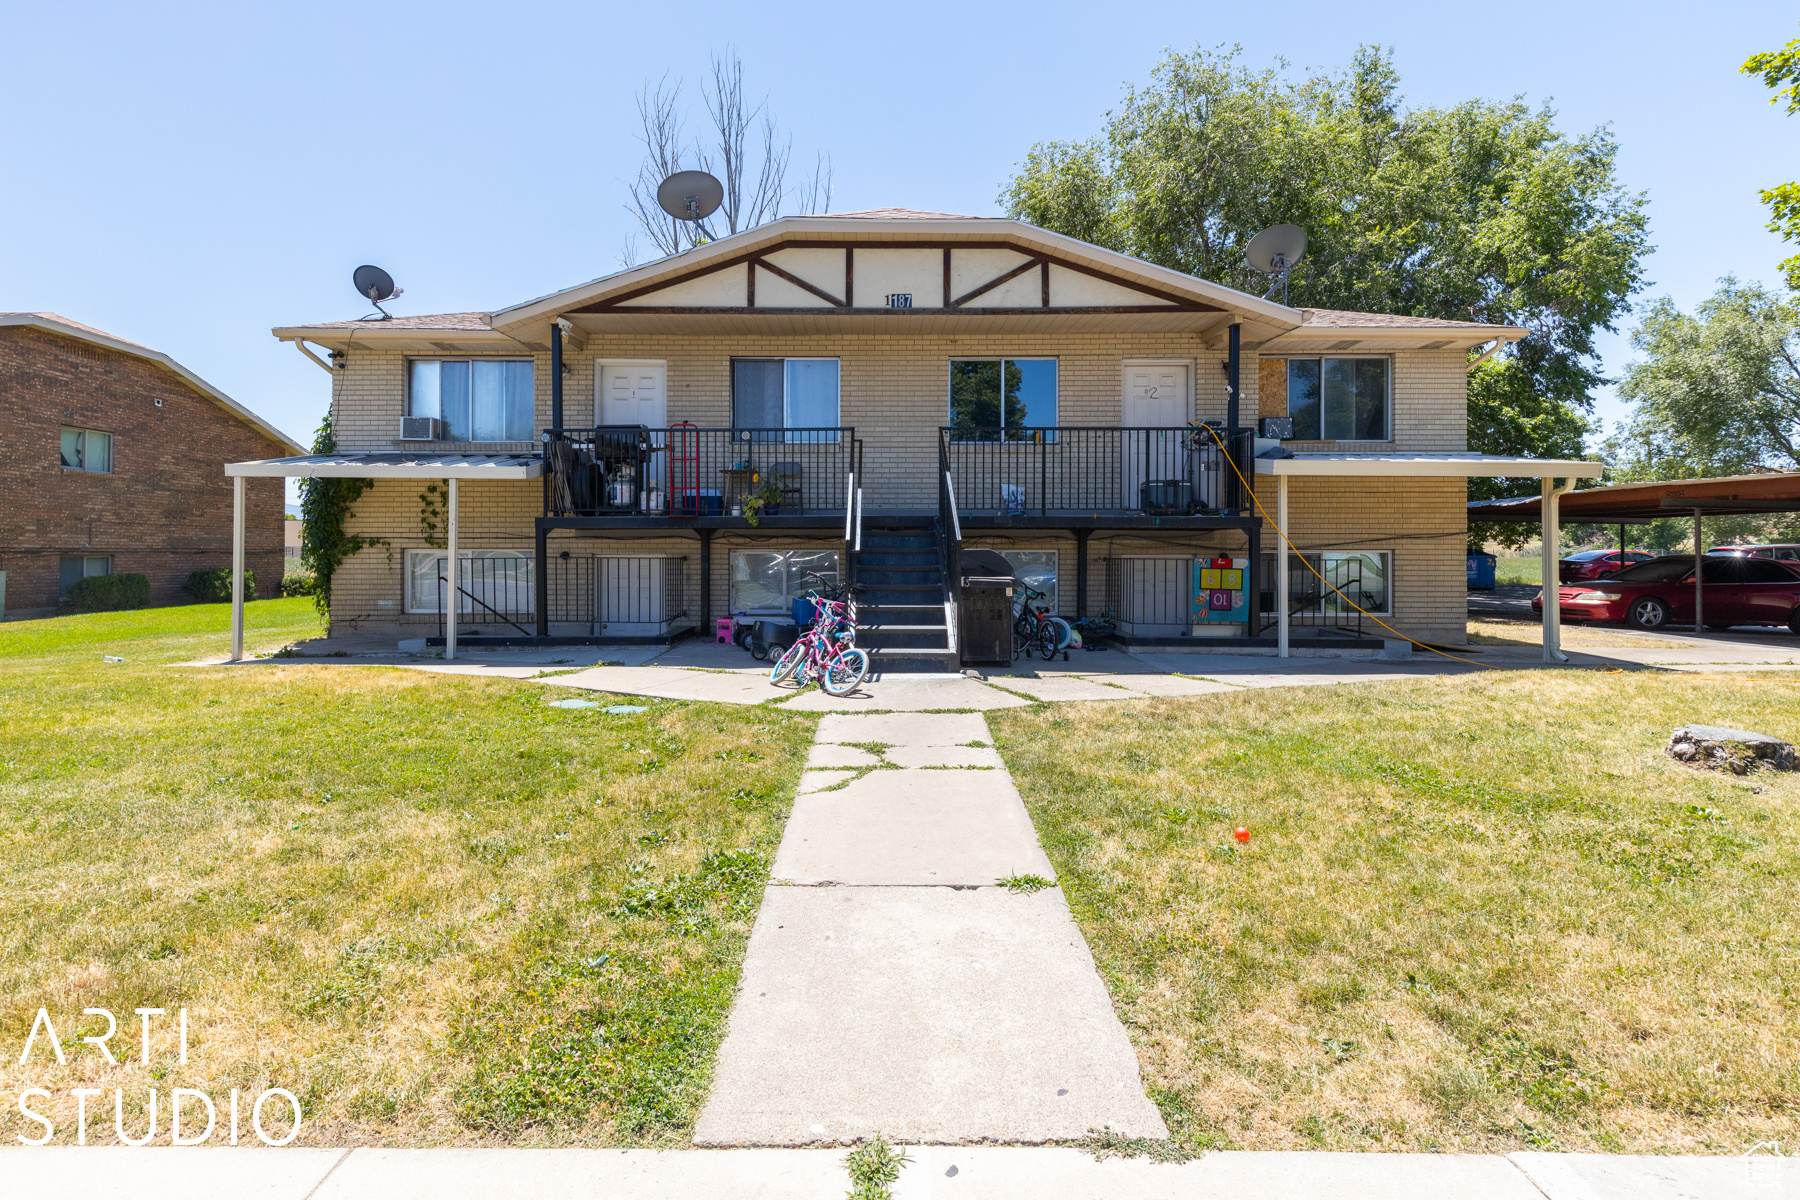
421, 429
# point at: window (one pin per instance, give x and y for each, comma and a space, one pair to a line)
1338, 399
1765, 570
81, 566
786, 394
500, 579
1035, 569
1359, 577
86, 450
998, 398
769, 581
478, 400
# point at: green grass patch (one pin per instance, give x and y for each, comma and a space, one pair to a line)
1474, 913
436, 909
104, 631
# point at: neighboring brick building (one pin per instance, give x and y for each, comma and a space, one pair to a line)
112, 462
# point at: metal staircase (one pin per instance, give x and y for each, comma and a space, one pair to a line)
903, 618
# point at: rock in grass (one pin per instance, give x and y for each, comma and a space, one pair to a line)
1736, 750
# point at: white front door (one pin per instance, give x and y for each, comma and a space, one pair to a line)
1156, 396
631, 393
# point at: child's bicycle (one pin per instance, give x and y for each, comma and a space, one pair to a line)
1035, 629
827, 651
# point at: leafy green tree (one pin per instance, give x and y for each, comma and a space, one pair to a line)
1776, 68
1481, 211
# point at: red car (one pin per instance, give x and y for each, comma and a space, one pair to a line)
1592, 564
1740, 590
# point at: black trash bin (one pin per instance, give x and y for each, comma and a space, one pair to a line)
984, 616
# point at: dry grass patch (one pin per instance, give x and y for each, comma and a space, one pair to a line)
1475, 913
435, 908
1575, 635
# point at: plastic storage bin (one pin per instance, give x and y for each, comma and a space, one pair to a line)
1481, 571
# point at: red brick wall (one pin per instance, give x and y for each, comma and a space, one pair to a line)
166, 508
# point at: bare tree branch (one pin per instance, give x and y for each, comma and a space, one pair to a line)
662, 137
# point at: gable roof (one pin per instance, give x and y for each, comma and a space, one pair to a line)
64, 327
658, 295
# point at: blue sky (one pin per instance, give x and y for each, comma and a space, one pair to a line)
188, 176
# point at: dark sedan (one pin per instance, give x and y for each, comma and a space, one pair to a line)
1592, 564
1739, 590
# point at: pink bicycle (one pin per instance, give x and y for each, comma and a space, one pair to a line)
827, 652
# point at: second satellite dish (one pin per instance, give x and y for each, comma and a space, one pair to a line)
690, 195
1274, 251
375, 285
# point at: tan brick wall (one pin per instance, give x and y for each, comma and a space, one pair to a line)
163, 511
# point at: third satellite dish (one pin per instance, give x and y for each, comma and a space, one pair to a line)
690, 195
375, 285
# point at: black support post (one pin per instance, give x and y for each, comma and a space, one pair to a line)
1081, 571
706, 537
543, 581
556, 377
1232, 364
1252, 569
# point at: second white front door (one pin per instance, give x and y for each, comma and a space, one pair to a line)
1156, 398
631, 393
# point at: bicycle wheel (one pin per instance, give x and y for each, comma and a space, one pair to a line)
789, 662
845, 671
1045, 641
1062, 631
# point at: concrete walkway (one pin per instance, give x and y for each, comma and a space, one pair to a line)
890, 986
933, 1173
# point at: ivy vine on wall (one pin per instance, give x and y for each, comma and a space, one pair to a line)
324, 507
432, 522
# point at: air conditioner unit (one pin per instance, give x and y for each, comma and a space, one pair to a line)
421, 429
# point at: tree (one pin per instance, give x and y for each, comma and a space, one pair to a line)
1717, 393
1776, 68
754, 171
1478, 212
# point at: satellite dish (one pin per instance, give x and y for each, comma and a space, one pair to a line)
690, 195
375, 285
1274, 251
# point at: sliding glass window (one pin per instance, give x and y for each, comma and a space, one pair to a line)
478, 400
994, 399
795, 399
1338, 399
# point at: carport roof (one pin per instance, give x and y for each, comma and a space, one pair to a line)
1773, 491
395, 465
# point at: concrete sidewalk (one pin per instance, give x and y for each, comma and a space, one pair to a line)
932, 1173
890, 986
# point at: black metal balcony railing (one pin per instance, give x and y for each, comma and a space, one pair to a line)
1174, 471
609, 594
686, 471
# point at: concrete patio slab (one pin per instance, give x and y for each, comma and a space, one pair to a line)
907, 729
672, 684
901, 693
812, 781
587, 1175
911, 827
973, 757
1659, 1177
713, 656
825, 754
929, 1014
165, 1172
1067, 687
1166, 685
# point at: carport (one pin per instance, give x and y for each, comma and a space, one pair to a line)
1640, 503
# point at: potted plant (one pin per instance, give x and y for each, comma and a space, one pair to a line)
763, 500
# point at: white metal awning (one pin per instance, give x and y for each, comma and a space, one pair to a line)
395, 465
1455, 466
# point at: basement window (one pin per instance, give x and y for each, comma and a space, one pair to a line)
87, 450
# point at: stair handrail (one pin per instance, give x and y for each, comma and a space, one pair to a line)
949, 529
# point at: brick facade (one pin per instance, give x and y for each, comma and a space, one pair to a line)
165, 508
893, 389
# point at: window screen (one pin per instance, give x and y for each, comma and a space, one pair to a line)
1338, 399
785, 394
479, 400
86, 450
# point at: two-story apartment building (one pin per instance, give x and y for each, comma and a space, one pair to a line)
875, 392
110, 457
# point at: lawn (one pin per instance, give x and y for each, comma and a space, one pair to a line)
1576, 635
1473, 913
433, 907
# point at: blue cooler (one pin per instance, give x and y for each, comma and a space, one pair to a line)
803, 612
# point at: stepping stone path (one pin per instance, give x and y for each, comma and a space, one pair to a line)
892, 986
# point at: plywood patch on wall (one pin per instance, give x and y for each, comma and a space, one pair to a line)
1271, 387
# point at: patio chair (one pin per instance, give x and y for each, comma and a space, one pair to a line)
789, 477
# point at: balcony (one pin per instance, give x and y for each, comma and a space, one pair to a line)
1070, 471
638, 473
